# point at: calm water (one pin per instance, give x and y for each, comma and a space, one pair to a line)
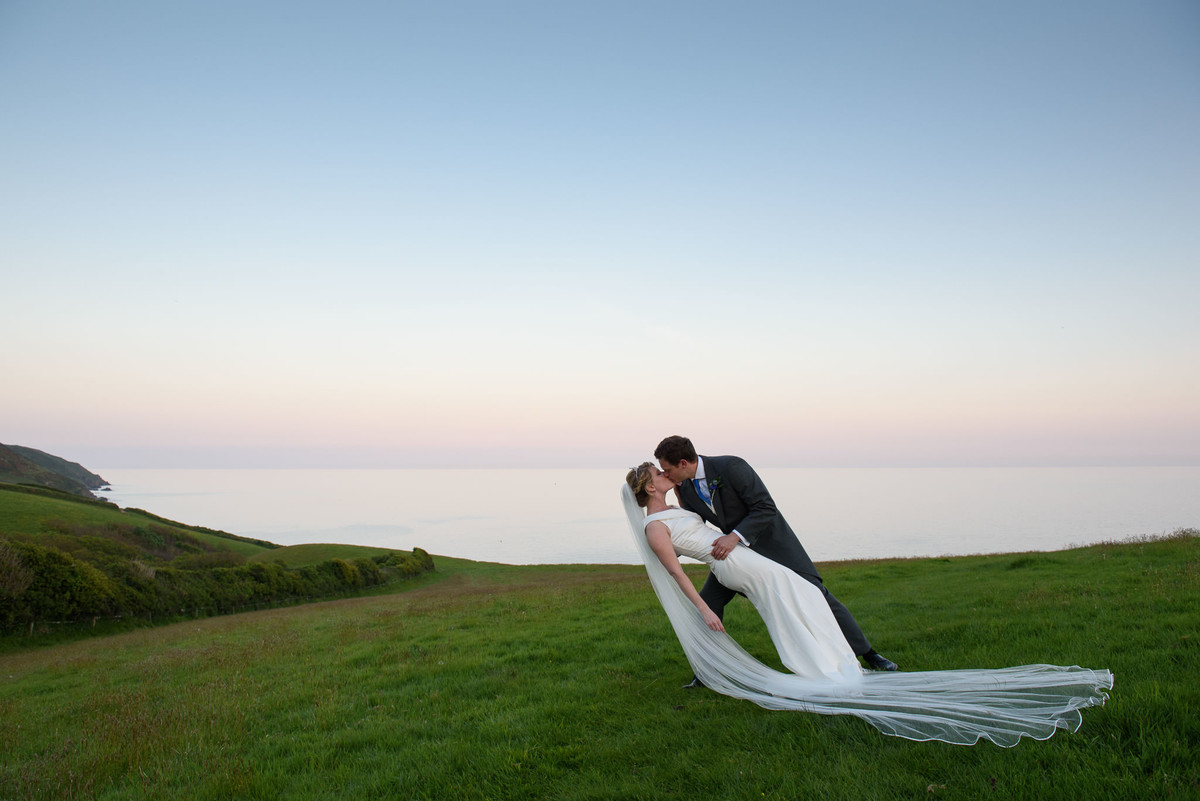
575, 516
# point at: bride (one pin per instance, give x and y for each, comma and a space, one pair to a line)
955, 706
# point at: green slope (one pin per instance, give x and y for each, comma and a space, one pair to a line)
66, 559
36, 514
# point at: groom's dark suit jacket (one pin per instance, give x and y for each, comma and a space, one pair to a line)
741, 501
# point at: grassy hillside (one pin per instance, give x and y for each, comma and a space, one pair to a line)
37, 513
65, 559
563, 682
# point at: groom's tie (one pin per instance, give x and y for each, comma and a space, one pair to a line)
702, 491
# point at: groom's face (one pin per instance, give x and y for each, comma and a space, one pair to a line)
684, 471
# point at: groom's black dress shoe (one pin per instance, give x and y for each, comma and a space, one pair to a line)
694, 684
878, 661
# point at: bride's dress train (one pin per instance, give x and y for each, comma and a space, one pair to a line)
955, 706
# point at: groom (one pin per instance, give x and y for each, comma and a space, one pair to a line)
725, 491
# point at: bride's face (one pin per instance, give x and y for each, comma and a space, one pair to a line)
661, 481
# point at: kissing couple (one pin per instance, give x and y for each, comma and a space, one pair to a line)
750, 550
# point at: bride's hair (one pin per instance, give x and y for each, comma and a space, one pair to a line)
638, 479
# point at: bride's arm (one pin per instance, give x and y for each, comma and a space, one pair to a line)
659, 538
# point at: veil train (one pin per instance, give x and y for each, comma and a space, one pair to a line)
954, 706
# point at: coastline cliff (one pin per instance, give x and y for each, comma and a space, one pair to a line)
22, 465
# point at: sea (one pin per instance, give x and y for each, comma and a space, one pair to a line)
575, 516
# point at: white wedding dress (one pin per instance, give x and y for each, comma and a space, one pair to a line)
954, 706
806, 635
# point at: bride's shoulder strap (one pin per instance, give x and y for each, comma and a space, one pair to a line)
663, 517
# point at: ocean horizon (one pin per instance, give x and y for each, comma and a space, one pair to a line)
555, 516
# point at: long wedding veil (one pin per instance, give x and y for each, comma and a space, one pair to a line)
954, 706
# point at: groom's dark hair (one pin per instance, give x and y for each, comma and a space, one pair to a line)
675, 449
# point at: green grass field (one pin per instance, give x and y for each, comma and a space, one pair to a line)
563, 682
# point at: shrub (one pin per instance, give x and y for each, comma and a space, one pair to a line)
424, 560
347, 573
408, 564
369, 572
62, 588
15, 577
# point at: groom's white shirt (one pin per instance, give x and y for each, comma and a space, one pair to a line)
700, 477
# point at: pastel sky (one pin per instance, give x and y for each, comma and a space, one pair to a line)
393, 234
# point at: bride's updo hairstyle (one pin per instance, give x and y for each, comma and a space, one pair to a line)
638, 479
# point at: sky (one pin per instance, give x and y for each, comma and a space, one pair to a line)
482, 234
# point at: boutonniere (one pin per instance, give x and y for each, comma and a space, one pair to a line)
714, 485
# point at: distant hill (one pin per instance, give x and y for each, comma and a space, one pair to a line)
21, 465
